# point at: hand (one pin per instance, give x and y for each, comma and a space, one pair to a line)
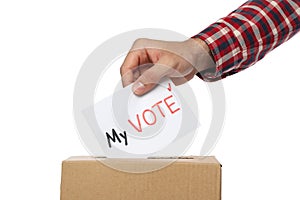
149, 61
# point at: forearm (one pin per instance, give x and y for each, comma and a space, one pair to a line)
247, 34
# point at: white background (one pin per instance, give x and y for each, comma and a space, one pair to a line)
42, 47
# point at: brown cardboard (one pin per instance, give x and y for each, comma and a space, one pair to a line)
85, 178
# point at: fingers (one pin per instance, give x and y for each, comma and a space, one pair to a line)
127, 69
149, 79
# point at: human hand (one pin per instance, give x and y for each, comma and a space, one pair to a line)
149, 61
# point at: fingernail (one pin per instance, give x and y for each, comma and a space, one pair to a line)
138, 87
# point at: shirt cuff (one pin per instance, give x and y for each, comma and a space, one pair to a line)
225, 50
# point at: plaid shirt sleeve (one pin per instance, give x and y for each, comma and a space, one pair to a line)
247, 34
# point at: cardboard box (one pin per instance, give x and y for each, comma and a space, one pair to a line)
187, 178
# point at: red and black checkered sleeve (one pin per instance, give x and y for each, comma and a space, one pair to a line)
247, 34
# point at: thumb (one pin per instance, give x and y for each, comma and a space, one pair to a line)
151, 77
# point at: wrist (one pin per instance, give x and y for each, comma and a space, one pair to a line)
201, 53
202, 44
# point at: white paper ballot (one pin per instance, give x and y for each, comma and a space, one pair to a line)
142, 125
